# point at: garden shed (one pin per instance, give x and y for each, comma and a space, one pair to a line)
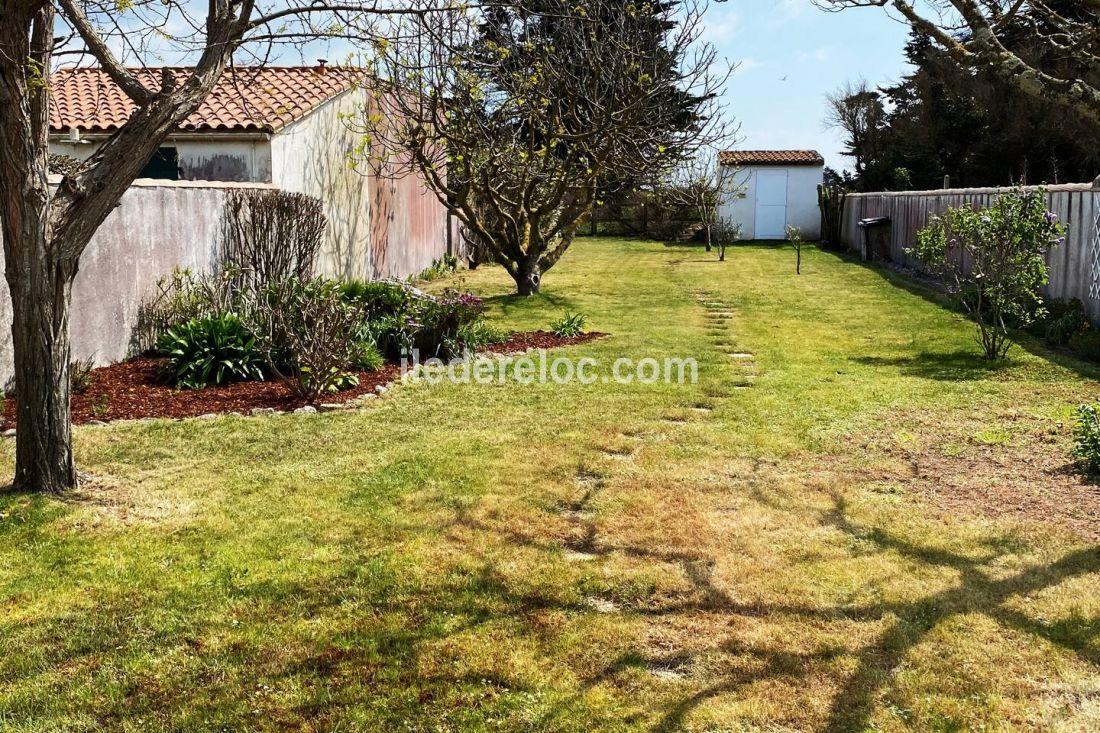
775, 189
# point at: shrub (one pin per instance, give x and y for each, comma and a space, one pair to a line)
370, 358
377, 298
1061, 330
1086, 343
270, 237
442, 267
1086, 437
481, 333
428, 325
992, 261
210, 351
725, 232
309, 335
570, 325
80, 375
401, 318
183, 296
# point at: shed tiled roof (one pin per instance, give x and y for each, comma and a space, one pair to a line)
771, 157
248, 99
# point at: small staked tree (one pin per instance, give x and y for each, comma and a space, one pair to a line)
516, 112
45, 230
702, 183
726, 232
992, 262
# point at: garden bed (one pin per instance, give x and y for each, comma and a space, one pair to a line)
132, 389
525, 340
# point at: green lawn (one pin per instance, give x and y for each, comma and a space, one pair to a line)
860, 527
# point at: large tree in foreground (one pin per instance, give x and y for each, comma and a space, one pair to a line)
46, 231
514, 113
979, 33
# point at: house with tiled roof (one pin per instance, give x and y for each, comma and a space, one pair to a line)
287, 126
776, 189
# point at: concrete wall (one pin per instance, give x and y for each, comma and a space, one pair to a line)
802, 207
1074, 267
207, 157
158, 225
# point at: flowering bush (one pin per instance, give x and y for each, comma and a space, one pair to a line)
992, 261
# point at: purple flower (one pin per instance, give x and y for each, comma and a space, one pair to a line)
1051, 217
1060, 241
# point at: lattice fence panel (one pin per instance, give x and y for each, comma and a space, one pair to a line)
1094, 285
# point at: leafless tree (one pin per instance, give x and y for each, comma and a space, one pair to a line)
976, 32
702, 182
45, 232
513, 114
271, 236
857, 110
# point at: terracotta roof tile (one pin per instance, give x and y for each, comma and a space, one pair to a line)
245, 99
771, 157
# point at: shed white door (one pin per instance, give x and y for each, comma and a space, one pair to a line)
771, 204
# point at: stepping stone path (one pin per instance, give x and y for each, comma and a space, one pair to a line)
720, 317
666, 674
601, 605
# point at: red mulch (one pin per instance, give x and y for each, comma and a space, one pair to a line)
132, 389
540, 340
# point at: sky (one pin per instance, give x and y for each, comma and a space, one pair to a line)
790, 55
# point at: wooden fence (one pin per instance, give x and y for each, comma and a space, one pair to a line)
1074, 266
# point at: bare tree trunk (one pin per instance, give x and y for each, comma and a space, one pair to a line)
709, 244
40, 337
528, 277
37, 277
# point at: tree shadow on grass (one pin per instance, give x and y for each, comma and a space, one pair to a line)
511, 302
927, 289
981, 589
977, 592
369, 629
951, 366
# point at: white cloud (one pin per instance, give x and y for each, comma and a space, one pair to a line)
819, 55
748, 64
719, 26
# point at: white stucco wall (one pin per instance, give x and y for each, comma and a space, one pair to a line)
237, 158
312, 156
802, 207
157, 226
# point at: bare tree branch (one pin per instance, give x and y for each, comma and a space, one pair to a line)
974, 33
